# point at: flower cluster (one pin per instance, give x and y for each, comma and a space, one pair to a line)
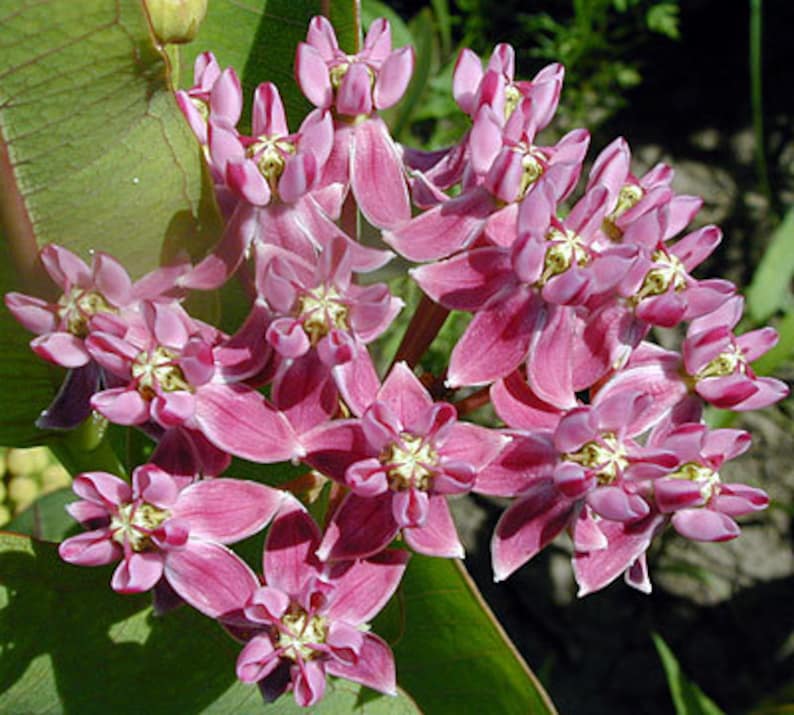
602, 432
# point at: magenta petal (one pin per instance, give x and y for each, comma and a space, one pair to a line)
358, 382
256, 661
443, 229
521, 408
299, 175
111, 279
359, 528
527, 458
245, 179
528, 525
405, 395
550, 363
705, 525
237, 420
137, 573
377, 177
495, 342
615, 504
34, 314
308, 684
267, 605
65, 267
289, 560
268, 115
354, 94
93, 548
63, 349
437, 536
374, 668
173, 409
102, 488
210, 577
587, 536
626, 543
364, 588
226, 510
121, 406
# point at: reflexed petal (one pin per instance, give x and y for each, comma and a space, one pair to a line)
308, 682
210, 577
366, 586
359, 528
615, 504
377, 177
257, 660
527, 526
374, 668
34, 314
437, 536
227, 510
289, 560
521, 408
121, 406
312, 75
393, 77
63, 349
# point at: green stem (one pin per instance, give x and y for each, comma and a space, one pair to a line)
421, 331
86, 449
756, 94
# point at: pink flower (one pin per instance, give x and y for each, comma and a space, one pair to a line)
158, 530
400, 460
357, 87
310, 620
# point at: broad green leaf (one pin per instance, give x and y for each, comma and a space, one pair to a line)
71, 645
770, 288
46, 518
452, 654
258, 38
98, 151
688, 698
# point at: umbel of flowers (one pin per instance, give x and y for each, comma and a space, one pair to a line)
602, 432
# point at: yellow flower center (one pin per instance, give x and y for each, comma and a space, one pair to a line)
322, 310
512, 98
694, 472
302, 630
270, 154
565, 248
410, 463
629, 196
724, 364
532, 166
132, 524
607, 458
669, 272
78, 306
158, 368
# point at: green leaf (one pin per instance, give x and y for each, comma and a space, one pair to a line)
688, 698
663, 19
770, 287
71, 645
452, 654
46, 518
258, 38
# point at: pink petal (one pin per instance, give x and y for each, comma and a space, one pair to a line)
226, 510
359, 528
322, 37
63, 349
268, 115
519, 407
121, 405
354, 95
210, 577
289, 560
437, 536
226, 98
549, 364
393, 77
528, 525
523, 461
65, 267
308, 683
256, 661
365, 587
615, 504
466, 79
34, 314
137, 573
358, 382
495, 342
312, 75
374, 668
237, 420
93, 548
245, 179
111, 279
376, 176
405, 395
298, 178
705, 525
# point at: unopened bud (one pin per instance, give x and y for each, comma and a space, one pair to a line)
176, 21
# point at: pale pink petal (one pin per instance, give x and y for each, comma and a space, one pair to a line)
312, 75
354, 94
526, 459
358, 382
615, 504
308, 682
322, 37
210, 577
705, 525
405, 395
739, 499
121, 405
298, 178
245, 179
111, 279
377, 177
586, 533
257, 660
226, 98
65, 267
34, 314
268, 115
550, 364
267, 605
466, 79
472, 444
377, 43
410, 507
393, 77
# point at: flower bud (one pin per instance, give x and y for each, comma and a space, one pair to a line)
175, 21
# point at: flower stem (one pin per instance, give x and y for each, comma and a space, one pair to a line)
421, 331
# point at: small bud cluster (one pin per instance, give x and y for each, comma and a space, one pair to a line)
602, 432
